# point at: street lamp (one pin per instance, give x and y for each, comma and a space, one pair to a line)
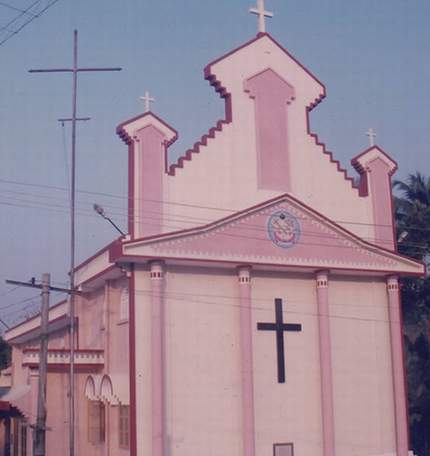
99, 209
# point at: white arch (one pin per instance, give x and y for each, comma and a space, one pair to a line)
92, 387
107, 391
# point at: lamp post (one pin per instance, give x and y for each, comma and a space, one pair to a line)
99, 209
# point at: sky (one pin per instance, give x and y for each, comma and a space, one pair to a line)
371, 55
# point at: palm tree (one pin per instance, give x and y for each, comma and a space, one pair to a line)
413, 215
412, 210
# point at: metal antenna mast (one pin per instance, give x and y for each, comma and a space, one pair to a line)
74, 70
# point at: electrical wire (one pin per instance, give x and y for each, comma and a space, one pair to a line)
6, 5
418, 248
23, 301
174, 203
9, 291
162, 216
11, 33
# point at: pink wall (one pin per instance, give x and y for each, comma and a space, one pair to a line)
99, 321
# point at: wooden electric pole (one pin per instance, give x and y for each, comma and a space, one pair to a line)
40, 428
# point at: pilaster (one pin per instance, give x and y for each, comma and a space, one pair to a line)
157, 272
397, 366
325, 364
248, 426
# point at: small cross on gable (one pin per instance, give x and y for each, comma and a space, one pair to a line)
262, 14
148, 100
372, 135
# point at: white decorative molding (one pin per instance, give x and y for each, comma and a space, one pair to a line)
365, 256
61, 356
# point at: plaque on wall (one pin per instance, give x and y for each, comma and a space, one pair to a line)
283, 449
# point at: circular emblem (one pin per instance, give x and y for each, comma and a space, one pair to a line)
283, 229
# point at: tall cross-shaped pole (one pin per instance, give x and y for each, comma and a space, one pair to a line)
372, 135
148, 100
74, 70
262, 14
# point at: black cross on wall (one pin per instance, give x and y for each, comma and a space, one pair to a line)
280, 327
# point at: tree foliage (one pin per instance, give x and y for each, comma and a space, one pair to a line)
4, 354
412, 210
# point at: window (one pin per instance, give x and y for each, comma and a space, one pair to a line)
283, 449
23, 427
123, 304
96, 422
124, 426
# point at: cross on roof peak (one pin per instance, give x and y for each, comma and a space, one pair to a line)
148, 100
262, 14
372, 135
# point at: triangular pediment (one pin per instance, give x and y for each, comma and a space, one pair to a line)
279, 232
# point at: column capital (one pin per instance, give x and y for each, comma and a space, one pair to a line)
157, 268
393, 283
322, 279
244, 274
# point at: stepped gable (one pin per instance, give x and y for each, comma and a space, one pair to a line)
333, 160
216, 82
196, 148
128, 127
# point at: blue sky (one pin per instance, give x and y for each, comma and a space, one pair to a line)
371, 55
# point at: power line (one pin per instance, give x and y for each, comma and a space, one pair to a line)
16, 18
9, 291
6, 5
37, 205
21, 310
418, 248
188, 297
163, 216
174, 203
23, 301
26, 22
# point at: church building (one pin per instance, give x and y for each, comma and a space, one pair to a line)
253, 307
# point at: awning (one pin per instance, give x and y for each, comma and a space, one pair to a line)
19, 397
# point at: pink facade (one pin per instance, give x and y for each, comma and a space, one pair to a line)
101, 361
261, 325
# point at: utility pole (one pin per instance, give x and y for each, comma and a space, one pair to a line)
45, 286
40, 429
74, 70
